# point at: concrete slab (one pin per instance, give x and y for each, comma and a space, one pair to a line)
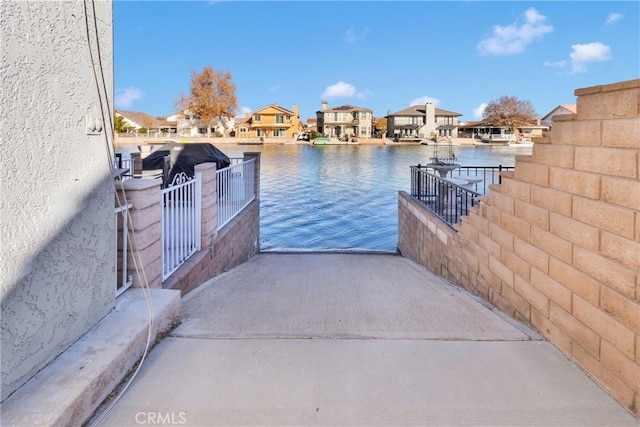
69, 389
337, 296
292, 382
354, 340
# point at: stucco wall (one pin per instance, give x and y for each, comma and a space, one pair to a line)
57, 211
557, 245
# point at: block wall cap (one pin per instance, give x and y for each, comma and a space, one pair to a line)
629, 84
564, 118
523, 158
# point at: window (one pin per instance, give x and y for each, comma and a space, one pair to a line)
279, 119
261, 132
288, 117
256, 117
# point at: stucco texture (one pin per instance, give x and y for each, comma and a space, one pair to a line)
57, 200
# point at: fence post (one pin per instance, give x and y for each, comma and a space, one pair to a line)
209, 204
256, 170
145, 228
136, 164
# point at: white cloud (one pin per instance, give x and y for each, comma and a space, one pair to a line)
339, 90
353, 35
479, 110
424, 100
364, 95
557, 64
515, 37
242, 111
584, 54
613, 17
124, 98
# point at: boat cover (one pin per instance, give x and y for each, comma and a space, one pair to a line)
184, 157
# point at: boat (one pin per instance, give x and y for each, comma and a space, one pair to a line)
498, 138
322, 140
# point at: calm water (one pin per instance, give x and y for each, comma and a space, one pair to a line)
343, 197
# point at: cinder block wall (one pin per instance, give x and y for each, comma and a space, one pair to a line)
557, 245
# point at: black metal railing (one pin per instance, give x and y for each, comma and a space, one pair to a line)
490, 175
452, 196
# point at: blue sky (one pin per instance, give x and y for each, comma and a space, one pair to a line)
380, 55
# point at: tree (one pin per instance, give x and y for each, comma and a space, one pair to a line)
213, 94
119, 125
509, 111
380, 126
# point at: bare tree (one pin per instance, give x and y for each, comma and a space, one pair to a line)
509, 111
213, 94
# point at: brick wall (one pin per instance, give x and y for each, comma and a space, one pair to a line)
557, 245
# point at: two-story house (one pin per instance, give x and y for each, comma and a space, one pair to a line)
271, 121
344, 121
190, 125
422, 121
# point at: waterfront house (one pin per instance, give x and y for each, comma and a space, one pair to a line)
136, 122
311, 124
345, 120
190, 125
271, 121
547, 120
422, 121
480, 130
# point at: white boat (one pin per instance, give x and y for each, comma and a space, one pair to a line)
505, 138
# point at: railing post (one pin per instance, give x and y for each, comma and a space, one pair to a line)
146, 223
136, 164
256, 172
209, 203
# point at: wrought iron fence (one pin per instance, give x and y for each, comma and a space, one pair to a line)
235, 189
181, 221
123, 280
452, 197
481, 176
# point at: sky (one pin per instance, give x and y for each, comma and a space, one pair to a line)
385, 56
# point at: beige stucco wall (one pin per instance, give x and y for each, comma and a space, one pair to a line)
557, 245
57, 210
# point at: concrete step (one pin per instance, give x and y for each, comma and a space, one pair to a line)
70, 388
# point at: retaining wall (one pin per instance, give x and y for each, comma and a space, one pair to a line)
557, 244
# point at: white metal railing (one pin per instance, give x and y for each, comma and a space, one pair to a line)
181, 216
235, 189
124, 281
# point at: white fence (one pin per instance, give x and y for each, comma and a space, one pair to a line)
235, 189
122, 224
181, 215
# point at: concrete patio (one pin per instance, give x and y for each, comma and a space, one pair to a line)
353, 339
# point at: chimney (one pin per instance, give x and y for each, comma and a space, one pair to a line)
295, 110
324, 105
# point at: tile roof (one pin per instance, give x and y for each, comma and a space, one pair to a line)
418, 110
144, 119
346, 107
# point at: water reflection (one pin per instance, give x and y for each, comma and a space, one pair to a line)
343, 197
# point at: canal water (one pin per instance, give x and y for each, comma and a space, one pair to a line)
344, 197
